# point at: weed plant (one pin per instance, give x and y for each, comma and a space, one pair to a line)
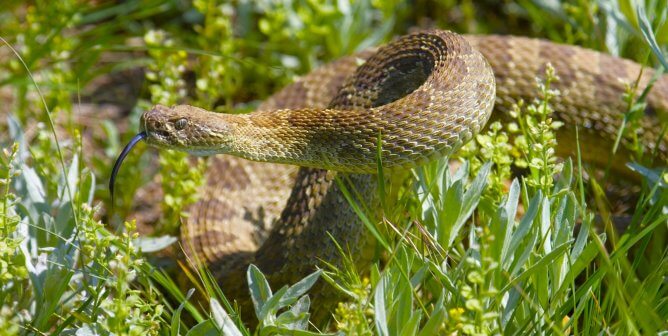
472, 249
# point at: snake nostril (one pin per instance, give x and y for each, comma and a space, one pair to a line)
147, 117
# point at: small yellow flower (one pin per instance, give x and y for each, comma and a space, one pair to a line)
456, 313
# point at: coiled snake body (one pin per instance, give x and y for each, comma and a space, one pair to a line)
423, 95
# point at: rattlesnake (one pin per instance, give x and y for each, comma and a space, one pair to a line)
423, 95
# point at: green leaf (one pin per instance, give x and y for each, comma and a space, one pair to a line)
89, 188
176, 316
68, 186
584, 260
648, 34
153, 244
470, 200
300, 311
428, 207
206, 328
275, 330
654, 176
379, 305
402, 303
523, 255
545, 226
267, 314
411, 326
302, 305
539, 264
259, 288
34, 187
300, 288
433, 324
452, 206
51, 285
523, 228
223, 320
16, 134
511, 210
85, 330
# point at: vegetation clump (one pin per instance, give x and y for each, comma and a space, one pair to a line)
473, 249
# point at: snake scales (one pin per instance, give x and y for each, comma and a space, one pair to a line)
425, 94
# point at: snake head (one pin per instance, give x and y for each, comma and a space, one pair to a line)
186, 128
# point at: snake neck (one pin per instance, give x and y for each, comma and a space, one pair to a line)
314, 138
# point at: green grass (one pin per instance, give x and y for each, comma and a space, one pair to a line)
463, 251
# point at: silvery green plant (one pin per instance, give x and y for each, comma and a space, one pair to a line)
70, 263
284, 312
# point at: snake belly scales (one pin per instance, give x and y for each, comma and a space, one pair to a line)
425, 94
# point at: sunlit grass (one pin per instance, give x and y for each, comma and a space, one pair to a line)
465, 250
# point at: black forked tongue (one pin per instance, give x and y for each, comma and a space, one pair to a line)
119, 161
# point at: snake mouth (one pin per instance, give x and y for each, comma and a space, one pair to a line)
157, 138
117, 165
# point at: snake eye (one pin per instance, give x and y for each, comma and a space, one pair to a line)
180, 124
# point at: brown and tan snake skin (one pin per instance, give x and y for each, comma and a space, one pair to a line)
425, 94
